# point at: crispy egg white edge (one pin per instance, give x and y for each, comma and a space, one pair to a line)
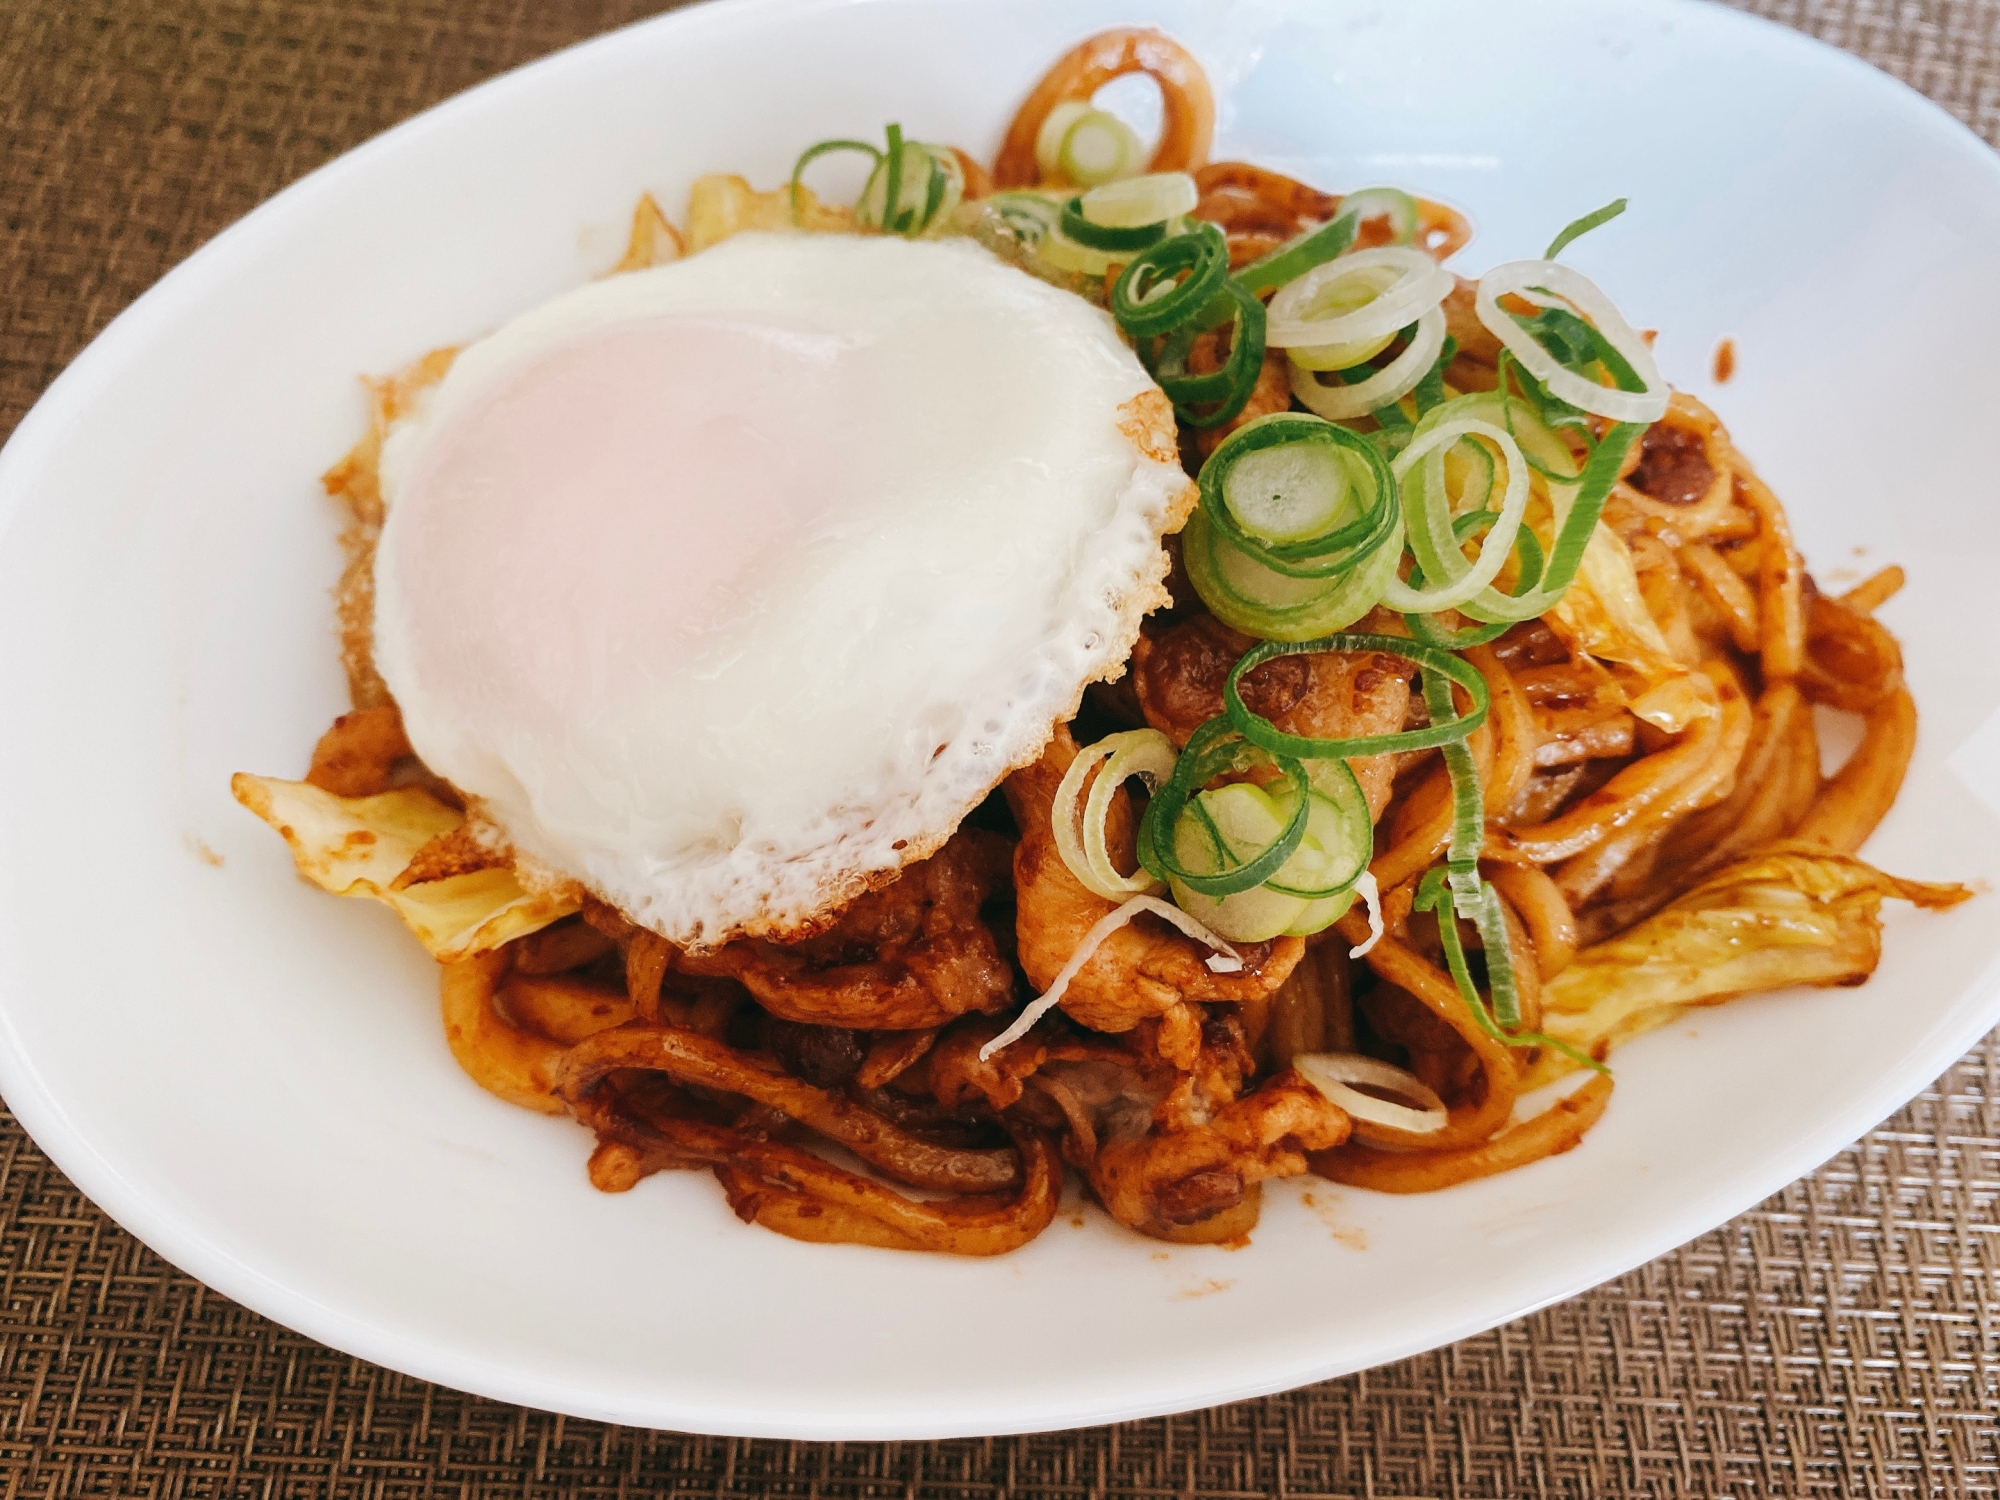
742, 893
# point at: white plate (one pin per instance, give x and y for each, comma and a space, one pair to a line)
250, 1075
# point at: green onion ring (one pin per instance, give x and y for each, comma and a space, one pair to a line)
1211, 751
1468, 813
1600, 473
824, 148
1232, 384
1425, 628
1322, 556
1096, 236
1434, 895
1298, 255
1262, 732
1202, 253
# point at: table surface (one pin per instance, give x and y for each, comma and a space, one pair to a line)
1841, 1339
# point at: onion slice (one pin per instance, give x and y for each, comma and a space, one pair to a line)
1343, 403
1109, 923
1547, 283
1420, 285
1332, 1073
1462, 581
1145, 753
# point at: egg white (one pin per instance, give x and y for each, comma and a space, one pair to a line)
977, 536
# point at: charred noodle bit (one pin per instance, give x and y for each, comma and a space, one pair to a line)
691, 1059
1583, 823
798, 1194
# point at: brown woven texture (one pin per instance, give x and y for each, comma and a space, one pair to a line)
1841, 1339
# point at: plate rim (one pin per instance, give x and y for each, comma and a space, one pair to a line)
155, 1221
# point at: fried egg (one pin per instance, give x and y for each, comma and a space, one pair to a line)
725, 589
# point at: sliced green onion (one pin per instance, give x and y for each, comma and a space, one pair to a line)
1097, 147
813, 153
913, 187
1381, 388
1393, 204
1468, 813
1079, 229
1231, 824
1147, 302
1261, 732
1546, 284
1079, 831
1215, 750
1030, 215
1434, 894
1210, 400
1241, 592
1576, 496
1298, 255
1450, 580
1352, 478
1577, 228
1430, 390
1425, 627
1346, 293
1065, 254
1340, 836
1417, 284
1049, 139
1576, 345
1136, 202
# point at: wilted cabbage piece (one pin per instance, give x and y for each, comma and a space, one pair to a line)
1787, 916
364, 846
1604, 615
723, 204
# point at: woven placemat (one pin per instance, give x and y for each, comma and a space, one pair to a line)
1841, 1339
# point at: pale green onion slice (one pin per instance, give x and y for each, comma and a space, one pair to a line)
1224, 960
1253, 916
1289, 492
1420, 284
1393, 204
929, 186
1546, 283
1065, 254
1332, 1073
1028, 215
1145, 753
1136, 202
1241, 592
1394, 381
1427, 511
1232, 824
1345, 294
1098, 147
1055, 126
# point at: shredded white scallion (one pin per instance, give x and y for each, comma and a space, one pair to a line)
1092, 940
1372, 894
1333, 1073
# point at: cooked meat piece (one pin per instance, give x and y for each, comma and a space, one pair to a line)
1196, 1184
1328, 695
1144, 967
910, 955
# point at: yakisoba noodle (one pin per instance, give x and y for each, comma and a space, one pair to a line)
1497, 839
